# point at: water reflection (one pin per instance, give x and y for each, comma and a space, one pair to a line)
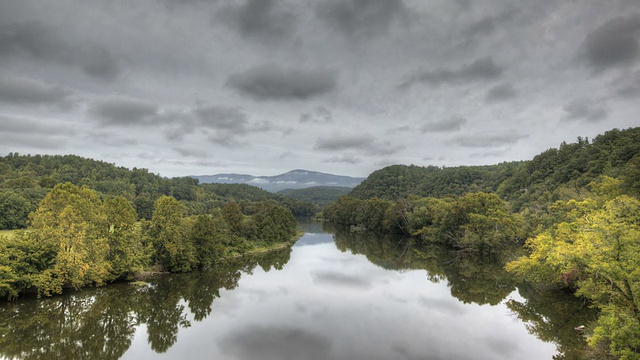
341, 295
471, 277
549, 314
101, 323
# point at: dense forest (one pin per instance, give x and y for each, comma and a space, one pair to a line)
319, 195
26, 179
90, 223
567, 219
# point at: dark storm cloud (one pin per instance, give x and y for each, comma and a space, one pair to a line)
481, 69
225, 125
500, 93
28, 91
123, 111
340, 143
366, 144
259, 19
360, 17
587, 109
271, 82
276, 344
320, 115
448, 125
223, 118
35, 41
346, 158
613, 43
489, 140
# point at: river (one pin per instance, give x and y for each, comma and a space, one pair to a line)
333, 295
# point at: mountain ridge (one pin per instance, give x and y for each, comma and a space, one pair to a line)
294, 179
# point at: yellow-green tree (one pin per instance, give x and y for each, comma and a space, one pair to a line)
118, 225
597, 250
67, 219
169, 235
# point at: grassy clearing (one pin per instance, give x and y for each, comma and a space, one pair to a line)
9, 233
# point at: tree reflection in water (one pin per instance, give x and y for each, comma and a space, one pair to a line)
549, 314
101, 323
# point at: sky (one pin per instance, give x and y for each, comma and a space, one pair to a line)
261, 87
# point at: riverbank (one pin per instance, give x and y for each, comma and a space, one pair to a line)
157, 270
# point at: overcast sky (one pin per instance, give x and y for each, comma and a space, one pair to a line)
186, 87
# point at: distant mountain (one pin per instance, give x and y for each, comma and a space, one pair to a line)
295, 179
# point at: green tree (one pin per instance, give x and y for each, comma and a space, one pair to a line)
118, 224
207, 235
232, 214
169, 235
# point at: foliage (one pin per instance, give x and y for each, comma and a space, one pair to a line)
596, 249
319, 195
26, 179
77, 239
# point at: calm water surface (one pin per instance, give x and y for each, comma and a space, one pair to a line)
332, 296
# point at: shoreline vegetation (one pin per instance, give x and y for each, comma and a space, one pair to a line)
569, 219
77, 239
146, 274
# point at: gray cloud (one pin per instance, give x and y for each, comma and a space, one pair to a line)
489, 140
191, 152
259, 19
33, 141
320, 115
340, 279
613, 43
21, 131
345, 158
481, 69
223, 118
271, 82
28, 91
123, 111
35, 41
228, 124
447, 125
442, 305
360, 17
366, 143
488, 24
500, 93
26, 125
339, 143
276, 344
587, 109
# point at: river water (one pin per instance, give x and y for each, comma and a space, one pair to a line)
333, 295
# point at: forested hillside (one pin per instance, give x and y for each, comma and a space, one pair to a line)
90, 223
615, 153
319, 195
576, 210
26, 179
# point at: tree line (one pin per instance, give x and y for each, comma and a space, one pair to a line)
76, 238
26, 179
574, 211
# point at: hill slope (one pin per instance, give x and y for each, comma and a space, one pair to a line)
295, 179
